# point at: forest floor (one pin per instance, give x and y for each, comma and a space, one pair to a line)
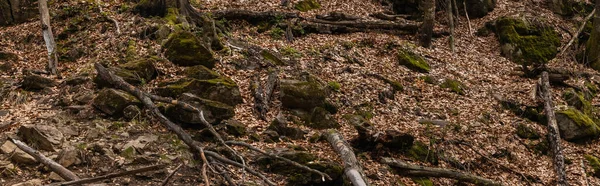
476, 117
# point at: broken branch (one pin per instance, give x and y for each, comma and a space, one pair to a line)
55, 167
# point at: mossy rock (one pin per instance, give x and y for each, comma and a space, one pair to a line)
594, 163
135, 72
454, 86
201, 73
282, 128
333, 169
214, 112
307, 5
575, 125
185, 49
36, 82
527, 41
221, 90
273, 57
235, 128
112, 101
542, 147
578, 101
420, 151
322, 119
275, 165
523, 131
304, 95
412, 61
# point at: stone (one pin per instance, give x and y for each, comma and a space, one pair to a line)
201, 73
214, 112
577, 100
17, 155
131, 112
140, 143
136, 72
185, 49
36, 82
235, 128
270, 136
305, 95
113, 101
223, 90
525, 132
76, 80
412, 61
454, 86
33, 182
55, 177
279, 124
574, 125
43, 137
322, 119
83, 98
68, 156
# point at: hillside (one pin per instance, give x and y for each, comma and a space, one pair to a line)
448, 116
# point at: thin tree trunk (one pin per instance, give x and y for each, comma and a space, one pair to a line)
426, 31
553, 132
467, 16
451, 21
48, 37
351, 166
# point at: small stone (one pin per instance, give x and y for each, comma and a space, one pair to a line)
68, 157
44, 137
19, 155
113, 102
55, 177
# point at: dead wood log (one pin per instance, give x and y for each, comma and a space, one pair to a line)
422, 171
370, 25
48, 38
55, 167
388, 17
196, 146
352, 168
263, 94
337, 16
110, 176
553, 132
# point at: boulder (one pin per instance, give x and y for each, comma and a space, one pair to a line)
527, 41
37, 82
17, 11
17, 155
68, 156
235, 128
305, 95
575, 125
476, 8
577, 100
525, 132
214, 112
279, 124
201, 73
185, 49
131, 112
222, 90
43, 137
113, 102
322, 119
412, 61
420, 151
135, 72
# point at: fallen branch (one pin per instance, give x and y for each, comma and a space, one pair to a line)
553, 132
55, 167
184, 136
166, 180
110, 176
263, 94
323, 175
352, 168
422, 171
587, 18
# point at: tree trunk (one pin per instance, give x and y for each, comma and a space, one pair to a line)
426, 31
48, 38
351, 166
553, 132
592, 48
451, 21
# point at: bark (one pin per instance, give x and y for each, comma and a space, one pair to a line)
352, 168
110, 176
426, 30
48, 37
55, 167
451, 21
422, 171
263, 94
553, 132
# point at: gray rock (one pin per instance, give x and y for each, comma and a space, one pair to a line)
575, 125
304, 95
44, 137
113, 102
55, 177
17, 156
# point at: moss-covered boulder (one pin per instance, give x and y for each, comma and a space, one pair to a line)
578, 101
214, 112
412, 61
527, 41
321, 119
17, 11
235, 128
454, 86
185, 49
134, 72
476, 8
112, 101
36, 82
306, 5
333, 169
526, 132
200, 72
594, 163
420, 151
222, 90
575, 125
304, 95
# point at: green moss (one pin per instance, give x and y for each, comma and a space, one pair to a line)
322, 119
268, 55
526, 132
222, 89
580, 119
365, 110
307, 5
594, 163
412, 61
527, 43
427, 79
128, 153
422, 181
171, 16
454, 86
304, 95
335, 86
200, 72
131, 52
592, 88
578, 101
276, 33
420, 151
185, 49
290, 52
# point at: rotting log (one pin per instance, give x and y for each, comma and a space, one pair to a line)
553, 132
55, 167
263, 94
352, 168
407, 169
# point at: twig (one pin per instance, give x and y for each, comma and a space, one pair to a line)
109, 18
222, 172
110, 176
415, 170
204, 165
166, 181
323, 175
55, 167
467, 16
587, 18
